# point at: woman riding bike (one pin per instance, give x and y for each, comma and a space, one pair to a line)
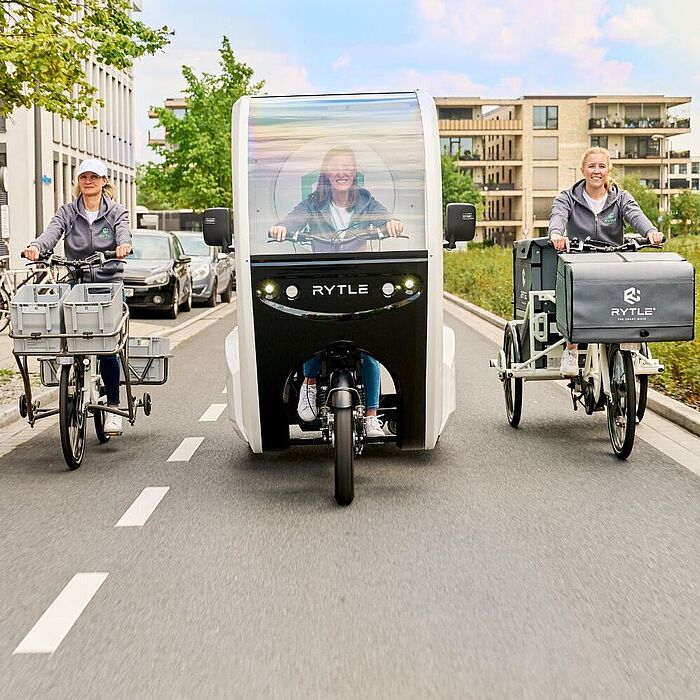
337, 204
596, 207
92, 222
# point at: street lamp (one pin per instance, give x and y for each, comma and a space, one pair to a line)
661, 140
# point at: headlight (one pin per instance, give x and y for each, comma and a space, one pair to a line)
200, 272
160, 278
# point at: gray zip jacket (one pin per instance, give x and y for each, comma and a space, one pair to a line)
571, 216
80, 238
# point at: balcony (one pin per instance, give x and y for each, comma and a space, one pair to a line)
480, 126
680, 155
641, 123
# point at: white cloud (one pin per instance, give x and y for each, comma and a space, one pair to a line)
341, 62
637, 25
432, 9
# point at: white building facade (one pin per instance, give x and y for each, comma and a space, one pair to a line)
40, 153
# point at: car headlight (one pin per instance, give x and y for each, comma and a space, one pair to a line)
159, 278
200, 272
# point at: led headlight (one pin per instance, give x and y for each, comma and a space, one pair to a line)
292, 291
158, 278
388, 289
269, 289
200, 272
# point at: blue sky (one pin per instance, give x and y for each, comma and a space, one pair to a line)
485, 48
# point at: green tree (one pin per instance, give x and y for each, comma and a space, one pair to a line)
647, 199
44, 45
685, 206
458, 186
195, 168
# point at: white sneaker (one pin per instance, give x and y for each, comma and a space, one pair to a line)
113, 424
373, 427
569, 363
307, 403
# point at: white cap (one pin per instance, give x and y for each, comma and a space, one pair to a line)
92, 165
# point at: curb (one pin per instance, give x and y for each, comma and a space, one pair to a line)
659, 403
10, 412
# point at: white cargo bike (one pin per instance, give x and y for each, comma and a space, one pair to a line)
611, 300
337, 292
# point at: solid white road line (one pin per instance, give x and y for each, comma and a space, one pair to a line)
186, 449
142, 508
212, 413
224, 390
61, 615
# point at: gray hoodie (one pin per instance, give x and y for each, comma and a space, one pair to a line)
80, 238
572, 216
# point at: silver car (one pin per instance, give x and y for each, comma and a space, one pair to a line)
213, 270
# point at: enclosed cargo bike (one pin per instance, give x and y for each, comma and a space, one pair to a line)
323, 286
613, 302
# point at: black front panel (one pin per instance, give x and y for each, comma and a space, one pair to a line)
300, 306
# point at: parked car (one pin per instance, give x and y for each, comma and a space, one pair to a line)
158, 274
213, 270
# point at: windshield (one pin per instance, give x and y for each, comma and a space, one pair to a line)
331, 169
150, 248
194, 244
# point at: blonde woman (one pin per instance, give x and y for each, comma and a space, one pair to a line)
92, 222
595, 206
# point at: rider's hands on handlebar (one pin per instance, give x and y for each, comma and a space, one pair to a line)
31, 252
394, 228
559, 242
122, 251
279, 233
655, 237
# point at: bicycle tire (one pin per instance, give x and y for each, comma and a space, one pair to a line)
621, 406
642, 386
344, 456
4, 309
512, 387
71, 413
99, 418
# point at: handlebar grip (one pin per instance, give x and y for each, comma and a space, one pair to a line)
110, 254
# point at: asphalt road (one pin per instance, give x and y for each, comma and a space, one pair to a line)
504, 563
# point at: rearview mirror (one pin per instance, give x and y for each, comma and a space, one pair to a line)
216, 227
461, 223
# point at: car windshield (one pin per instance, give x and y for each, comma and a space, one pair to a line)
150, 247
333, 167
193, 244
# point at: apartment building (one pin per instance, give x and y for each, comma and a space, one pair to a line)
157, 135
521, 153
685, 176
40, 153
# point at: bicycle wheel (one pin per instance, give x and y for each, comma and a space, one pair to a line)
4, 309
642, 386
512, 387
344, 456
71, 413
99, 417
621, 407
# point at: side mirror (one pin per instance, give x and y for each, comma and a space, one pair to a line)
222, 256
461, 223
216, 227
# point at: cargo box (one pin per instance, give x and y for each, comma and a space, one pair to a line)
148, 360
93, 309
625, 297
36, 310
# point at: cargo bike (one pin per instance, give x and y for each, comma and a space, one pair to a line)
339, 294
613, 301
67, 327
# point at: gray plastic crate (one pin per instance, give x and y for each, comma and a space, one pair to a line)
36, 309
148, 361
50, 371
93, 308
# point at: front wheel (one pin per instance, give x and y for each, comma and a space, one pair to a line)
344, 455
621, 406
99, 417
175, 305
642, 386
227, 293
512, 387
71, 413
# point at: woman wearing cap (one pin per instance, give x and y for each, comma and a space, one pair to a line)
92, 222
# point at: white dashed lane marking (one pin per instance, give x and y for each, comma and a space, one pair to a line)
186, 449
61, 615
212, 413
142, 508
224, 390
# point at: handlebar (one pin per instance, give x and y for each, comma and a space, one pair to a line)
374, 233
588, 244
94, 260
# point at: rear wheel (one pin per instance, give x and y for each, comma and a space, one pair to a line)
4, 309
621, 407
226, 294
211, 299
642, 386
99, 417
512, 387
187, 304
344, 456
71, 413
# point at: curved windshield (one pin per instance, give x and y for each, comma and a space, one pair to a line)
193, 244
150, 247
336, 174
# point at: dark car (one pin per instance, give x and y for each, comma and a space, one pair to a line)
212, 269
158, 273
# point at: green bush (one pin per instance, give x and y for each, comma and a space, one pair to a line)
483, 276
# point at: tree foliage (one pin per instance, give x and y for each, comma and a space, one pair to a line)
647, 199
685, 207
44, 46
458, 186
195, 172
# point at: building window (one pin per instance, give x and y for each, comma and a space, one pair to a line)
545, 117
457, 146
455, 113
545, 148
695, 168
641, 147
599, 141
545, 178
3, 125
682, 168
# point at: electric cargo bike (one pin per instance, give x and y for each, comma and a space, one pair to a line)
339, 243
